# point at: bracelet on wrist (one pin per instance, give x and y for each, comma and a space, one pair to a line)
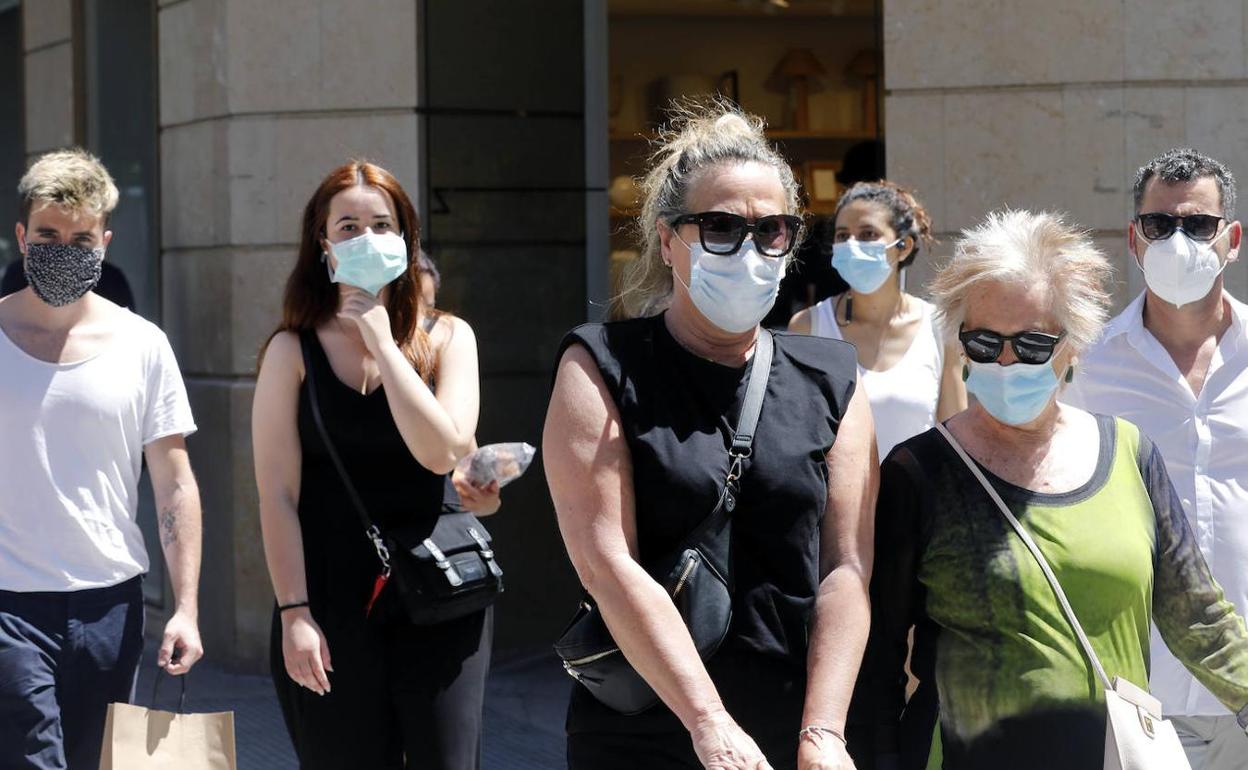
292, 606
816, 733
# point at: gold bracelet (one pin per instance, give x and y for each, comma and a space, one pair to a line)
815, 733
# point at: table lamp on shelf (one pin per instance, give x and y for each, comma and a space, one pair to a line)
865, 66
797, 74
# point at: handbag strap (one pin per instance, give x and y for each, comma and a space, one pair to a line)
357, 502
161, 674
1067, 610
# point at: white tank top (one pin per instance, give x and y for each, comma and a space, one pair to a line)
903, 397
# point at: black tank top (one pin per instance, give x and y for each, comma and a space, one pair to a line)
678, 413
339, 560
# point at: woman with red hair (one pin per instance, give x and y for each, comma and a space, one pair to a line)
396, 384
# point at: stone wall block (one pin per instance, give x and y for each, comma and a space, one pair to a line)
918, 162
45, 22
50, 98
193, 59
967, 43
1177, 41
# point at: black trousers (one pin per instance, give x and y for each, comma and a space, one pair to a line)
401, 696
64, 656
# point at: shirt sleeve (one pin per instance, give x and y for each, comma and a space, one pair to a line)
168, 410
897, 601
1196, 621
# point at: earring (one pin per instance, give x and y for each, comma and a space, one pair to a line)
966, 372
1070, 373
324, 256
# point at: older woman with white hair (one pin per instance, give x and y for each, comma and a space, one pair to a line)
1024, 294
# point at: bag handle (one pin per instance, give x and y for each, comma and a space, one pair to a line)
161, 674
357, 502
1067, 610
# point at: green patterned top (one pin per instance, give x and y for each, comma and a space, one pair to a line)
1014, 687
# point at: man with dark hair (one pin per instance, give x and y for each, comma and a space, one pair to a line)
1175, 362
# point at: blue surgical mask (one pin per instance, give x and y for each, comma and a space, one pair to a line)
1015, 394
863, 264
734, 292
369, 261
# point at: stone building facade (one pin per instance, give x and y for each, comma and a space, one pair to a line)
493, 114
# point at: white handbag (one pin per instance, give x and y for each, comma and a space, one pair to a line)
1136, 737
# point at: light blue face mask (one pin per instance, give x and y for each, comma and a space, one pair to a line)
863, 264
734, 292
1014, 394
369, 261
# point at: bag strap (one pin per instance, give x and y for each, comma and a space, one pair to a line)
711, 535
357, 502
1067, 610
161, 674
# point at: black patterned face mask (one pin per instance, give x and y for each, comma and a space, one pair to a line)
61, 273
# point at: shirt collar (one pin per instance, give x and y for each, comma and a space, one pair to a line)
1131, 321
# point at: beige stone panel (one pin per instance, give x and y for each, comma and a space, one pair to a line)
962, 43
194, 205
1096, 191
45, 22
1215, 120
1001, 150
1127, 281
276, 164
192, 61
1154, 122
50, 98
298, 55
1165, 40
915, 127
220, 304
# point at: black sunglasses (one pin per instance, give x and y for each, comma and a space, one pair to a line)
984, 346
722, 233
1158, 227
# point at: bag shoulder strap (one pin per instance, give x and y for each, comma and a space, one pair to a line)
309, 381
1067, 610
743, 439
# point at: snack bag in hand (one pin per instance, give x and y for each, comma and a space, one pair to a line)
503, 463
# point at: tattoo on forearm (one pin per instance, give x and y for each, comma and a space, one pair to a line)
168, 520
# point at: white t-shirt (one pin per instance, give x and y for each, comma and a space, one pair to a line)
71, 447
903, 397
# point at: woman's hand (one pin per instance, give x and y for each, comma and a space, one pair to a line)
480, 501
369, 316
823, 753
305, 651
721, 744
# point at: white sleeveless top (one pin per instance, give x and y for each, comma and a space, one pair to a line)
903, 397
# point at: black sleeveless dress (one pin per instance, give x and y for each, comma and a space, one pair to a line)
392, 681
678, 413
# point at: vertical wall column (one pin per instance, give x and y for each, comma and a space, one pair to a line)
258, 101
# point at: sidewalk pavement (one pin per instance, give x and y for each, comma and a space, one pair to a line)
526, 697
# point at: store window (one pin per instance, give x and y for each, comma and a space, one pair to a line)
811, 68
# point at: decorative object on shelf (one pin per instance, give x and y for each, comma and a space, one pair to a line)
797, 74
837, 109
865, 67
822, 189
623, 192
691, 86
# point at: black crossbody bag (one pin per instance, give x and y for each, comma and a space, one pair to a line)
442, 574
697, 576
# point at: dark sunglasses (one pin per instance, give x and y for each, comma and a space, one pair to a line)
1158, 227
984, 346
722, 233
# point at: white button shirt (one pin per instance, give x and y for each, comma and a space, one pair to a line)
1204, 441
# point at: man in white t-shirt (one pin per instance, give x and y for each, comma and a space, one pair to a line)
87, 389
1175, 362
